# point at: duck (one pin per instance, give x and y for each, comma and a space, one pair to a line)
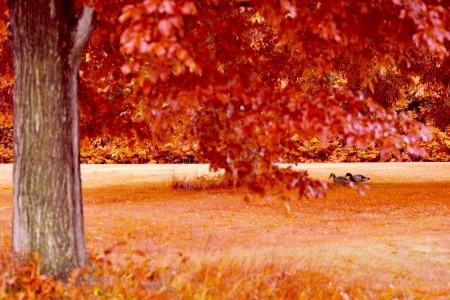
357, 177
339, 179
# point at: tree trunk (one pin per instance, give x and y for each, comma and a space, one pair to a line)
47, 41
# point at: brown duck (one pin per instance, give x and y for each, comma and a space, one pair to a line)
339, 179
357, 177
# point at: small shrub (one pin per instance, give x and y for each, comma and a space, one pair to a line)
201, 183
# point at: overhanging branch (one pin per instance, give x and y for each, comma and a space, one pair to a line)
82, 33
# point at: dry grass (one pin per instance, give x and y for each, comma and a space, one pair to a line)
210, 244
201, 183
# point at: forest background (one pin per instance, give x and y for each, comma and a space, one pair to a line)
417, 83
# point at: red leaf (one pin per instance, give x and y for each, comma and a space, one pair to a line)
125, 69
159, 50
189, 8
127, 7
289, 7
165, 27
130, 46
149, 7
123, 17
143, 46
166, 7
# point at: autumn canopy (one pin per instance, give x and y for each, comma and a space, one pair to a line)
245, 78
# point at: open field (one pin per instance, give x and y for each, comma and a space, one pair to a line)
394, 242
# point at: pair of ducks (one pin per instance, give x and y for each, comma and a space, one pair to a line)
351, 178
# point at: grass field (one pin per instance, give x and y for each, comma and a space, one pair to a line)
394, 242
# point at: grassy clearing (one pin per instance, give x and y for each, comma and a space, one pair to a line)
210, 244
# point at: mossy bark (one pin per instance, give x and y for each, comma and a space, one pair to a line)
47, 41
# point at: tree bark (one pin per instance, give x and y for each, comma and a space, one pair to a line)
47, 41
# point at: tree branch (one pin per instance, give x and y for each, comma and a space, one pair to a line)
81, 33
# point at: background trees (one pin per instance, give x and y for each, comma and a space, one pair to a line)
275, 71
246, 80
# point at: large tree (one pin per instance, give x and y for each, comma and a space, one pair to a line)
47, 41
243, 78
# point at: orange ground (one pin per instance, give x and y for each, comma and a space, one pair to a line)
395, 237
